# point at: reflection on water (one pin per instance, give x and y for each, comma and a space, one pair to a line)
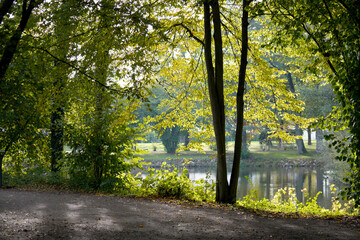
268, 181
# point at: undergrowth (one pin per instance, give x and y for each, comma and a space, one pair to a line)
171, 182
285, 201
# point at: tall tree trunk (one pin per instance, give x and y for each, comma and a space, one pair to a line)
98, 136
280, 144
240, 104
57, 130
102, 104
309, 135
215, 85
319, 141
244, 137
60, 77
300, 142
298, 131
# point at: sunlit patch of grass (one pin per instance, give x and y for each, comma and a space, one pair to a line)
282, 155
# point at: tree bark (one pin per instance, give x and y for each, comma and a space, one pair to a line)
300, 142
281, 145
244, 137
309, 135
57, 136
59, 83
319, 141
215, 85
240, 104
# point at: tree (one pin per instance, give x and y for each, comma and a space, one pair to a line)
100, 121
20, 91
189, 105
171, 138
319, 101
225, 192
282, 62
298, 131
59, 57
11, 45
65, 25
331, 30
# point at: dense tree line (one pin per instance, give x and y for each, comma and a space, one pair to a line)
72, 74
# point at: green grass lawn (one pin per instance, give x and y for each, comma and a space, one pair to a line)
290, 152
255, 150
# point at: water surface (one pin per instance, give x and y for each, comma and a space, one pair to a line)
267, 181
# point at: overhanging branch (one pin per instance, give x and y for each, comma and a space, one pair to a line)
122, 92
188, 30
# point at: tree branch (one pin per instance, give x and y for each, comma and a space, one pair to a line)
190, 33
82, 72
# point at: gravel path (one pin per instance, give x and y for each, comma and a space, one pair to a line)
64, 215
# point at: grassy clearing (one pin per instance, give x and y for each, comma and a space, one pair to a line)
274, 155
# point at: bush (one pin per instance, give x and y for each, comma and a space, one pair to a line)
171, 182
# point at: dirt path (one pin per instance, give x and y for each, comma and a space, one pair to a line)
63, 215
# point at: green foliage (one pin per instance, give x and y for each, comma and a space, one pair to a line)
170, 137
346, 148
324, 33
39, 177
104, 53
169, 181
26, 155
285, 201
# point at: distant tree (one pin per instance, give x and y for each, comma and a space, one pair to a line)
170, 137
298, 131
319, 100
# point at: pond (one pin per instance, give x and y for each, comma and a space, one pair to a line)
267, 181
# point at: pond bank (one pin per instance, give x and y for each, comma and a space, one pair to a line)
209, 160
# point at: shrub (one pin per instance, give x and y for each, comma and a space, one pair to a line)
169, 181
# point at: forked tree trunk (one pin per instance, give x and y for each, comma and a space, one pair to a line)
224, 192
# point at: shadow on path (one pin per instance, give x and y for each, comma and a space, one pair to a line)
63, 215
